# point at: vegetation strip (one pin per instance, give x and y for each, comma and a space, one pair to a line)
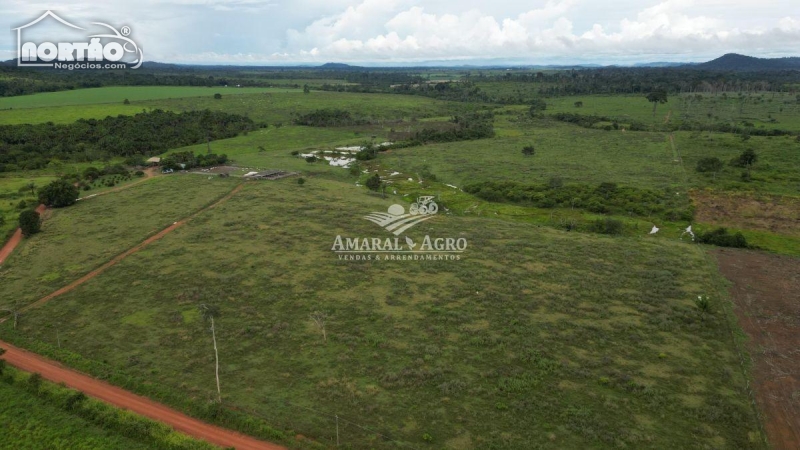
121, 398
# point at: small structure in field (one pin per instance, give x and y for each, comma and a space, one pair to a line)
154, 161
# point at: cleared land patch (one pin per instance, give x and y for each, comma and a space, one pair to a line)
535, 338
766, 294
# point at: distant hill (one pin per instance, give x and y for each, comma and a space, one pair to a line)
337, 66
736, 62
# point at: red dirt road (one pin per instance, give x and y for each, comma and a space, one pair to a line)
16, 238
121, 398
766, 294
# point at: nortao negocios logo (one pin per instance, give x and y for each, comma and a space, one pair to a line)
396, 221
50, 41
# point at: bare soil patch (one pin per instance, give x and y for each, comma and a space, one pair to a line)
766, 295
773, 213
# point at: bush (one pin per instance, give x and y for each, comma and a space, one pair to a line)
607, 226
311, 159
746, 159
30, 223
91, 173
301, 181
217, 96
374, 182
709, 165
537, 106
721, 238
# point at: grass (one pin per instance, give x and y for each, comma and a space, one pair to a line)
535, 339
283, 107
117, 94
581, 155
271, 105
41, 419
77, 239
759, 109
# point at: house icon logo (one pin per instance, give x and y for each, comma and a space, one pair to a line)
110, 48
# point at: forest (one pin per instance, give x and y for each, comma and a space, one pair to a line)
28, 147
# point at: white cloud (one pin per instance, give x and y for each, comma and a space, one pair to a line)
535, 31
666, 28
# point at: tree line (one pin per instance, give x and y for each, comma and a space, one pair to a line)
28, 147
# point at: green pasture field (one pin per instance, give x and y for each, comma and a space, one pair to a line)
581, 155
118, 94
535, 338
79, 238
759, 109
283, 107
269, 105
271, 148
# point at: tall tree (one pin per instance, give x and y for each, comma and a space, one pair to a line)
58, 194
656, 97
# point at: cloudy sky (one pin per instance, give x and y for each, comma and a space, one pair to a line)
455, 31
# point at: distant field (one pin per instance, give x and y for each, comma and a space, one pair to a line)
118, 94
261, 104
575, 154
758, 109
271, 148
79, 238
536, 338
282, 107
581, 155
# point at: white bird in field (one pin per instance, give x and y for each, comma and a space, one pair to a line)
654, 230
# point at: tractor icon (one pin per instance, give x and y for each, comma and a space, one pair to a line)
423, 206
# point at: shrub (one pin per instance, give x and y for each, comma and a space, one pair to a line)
217, 96
374, 182
721, 238
301, 181
311, 159
607, 226
746, 159
528, 150
537, 106
711, 164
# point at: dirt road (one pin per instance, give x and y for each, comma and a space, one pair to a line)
121, 398
16, 238
766, 294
